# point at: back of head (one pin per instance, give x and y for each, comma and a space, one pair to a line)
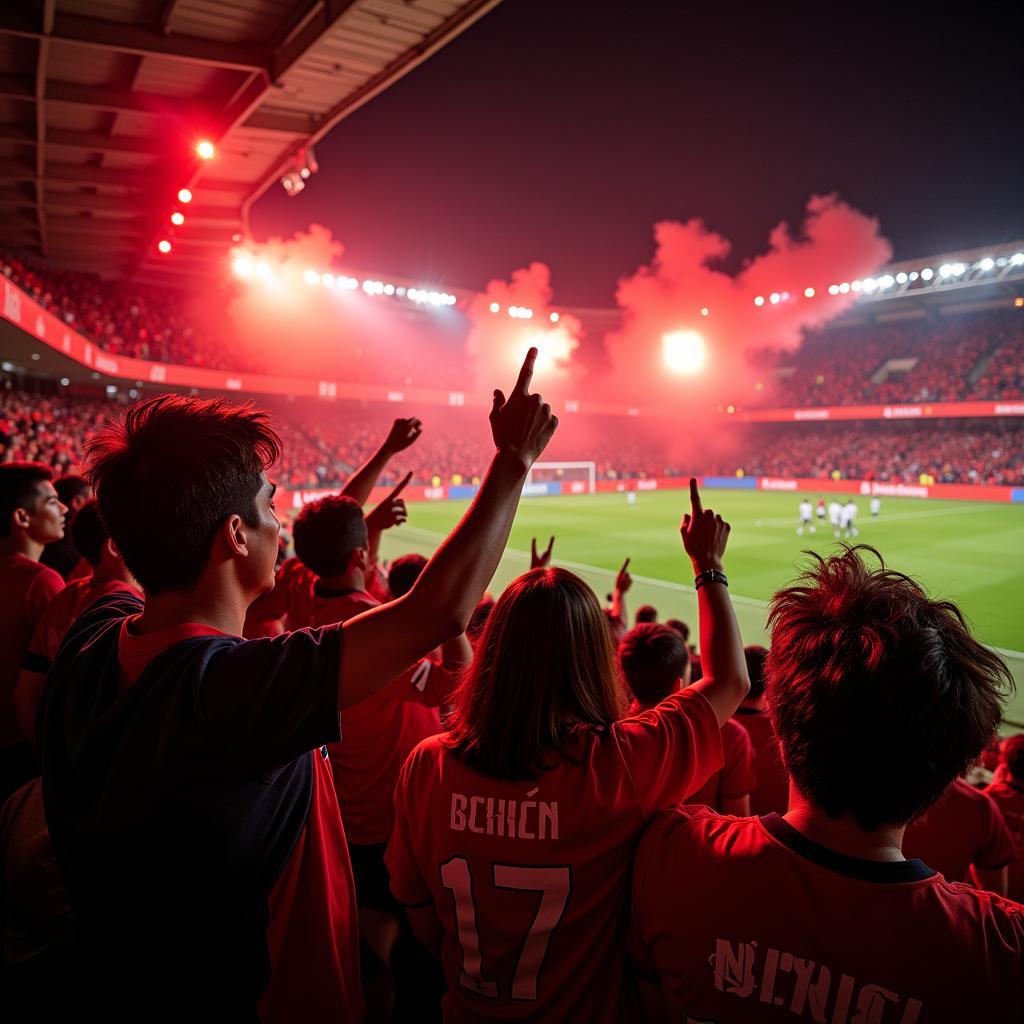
755, 655
170, 473
1011, 757
653, 659
543, 668
880, 697
327, 532
680, 627
646, 613
71, 486
404, 572
19, 488
89, 532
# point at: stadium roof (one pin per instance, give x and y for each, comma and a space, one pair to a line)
102, 104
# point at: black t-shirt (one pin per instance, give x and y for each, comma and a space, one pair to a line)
176, 804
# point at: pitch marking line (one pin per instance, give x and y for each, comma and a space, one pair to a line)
750, 602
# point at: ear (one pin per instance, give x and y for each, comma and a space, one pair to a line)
110, 548
234, 533
20, 518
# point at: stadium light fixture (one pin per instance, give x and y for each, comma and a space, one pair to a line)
927, 274
901, 278
177, 218
844, 288
184, 195
164, 246
987, 263
1017, 259
684, 352
328, 280
758, 300
495, 308
856, 286
205, 150
554, 318
808, 293
704, 311
311, 277
833, 289
775, 298
242, 266
913, 276
945, 270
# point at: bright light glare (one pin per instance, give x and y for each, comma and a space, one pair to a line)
833, 289
759, 300
554, 318
263, 271
683, 351
704, 311
184, 195
775, 298
1017, 259
495, 307
164, 246
927, 274
808, 293
311, 277
177, 218
205, 150
243, 266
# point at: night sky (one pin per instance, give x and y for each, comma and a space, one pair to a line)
561, 130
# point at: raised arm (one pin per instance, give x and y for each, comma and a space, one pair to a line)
622, 584
725, 681
382, 642
390, 512
403, 433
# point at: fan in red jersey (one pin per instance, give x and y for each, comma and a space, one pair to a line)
1008, 794
655, 662
31, 516
963, 836
109, 576
880, 697
771, 793
188, 795
515, 830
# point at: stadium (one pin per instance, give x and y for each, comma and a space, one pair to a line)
830, 390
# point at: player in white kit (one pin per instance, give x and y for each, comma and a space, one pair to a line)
806, 520
835, 515
849, 515
876, 506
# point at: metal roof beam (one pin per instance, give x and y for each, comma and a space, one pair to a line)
121, 100
117, 37
48, 13
312, 22
282, 121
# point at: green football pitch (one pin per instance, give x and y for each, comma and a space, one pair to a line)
971, 553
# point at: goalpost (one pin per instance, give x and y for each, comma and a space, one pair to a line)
575, 477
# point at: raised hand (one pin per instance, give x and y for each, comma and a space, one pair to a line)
704, 534
523, 424
391, 511
540, 560
623, 581
403, 433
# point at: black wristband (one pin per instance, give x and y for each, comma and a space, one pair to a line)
710, 576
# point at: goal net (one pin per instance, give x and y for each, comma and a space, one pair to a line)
573, 478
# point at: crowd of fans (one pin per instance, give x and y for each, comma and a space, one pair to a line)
398, 798
322, 444
950, 358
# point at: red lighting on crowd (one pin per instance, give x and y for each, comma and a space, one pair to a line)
177, 218
164, 246
184, 195
205, 150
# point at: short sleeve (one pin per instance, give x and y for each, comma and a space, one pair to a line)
998, 850
45, 587
738, 776
407, 883
271, 700
427, 683
670, 750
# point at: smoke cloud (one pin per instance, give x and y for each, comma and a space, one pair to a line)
681, 290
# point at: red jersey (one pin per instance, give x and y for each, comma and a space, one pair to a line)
26, 588
1009, 798
963, 827
529, 879
378, 733
748, 920
737, 777
772, 790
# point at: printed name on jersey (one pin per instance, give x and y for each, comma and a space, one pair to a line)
780, 978
511, 819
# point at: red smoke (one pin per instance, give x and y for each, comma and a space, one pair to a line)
835, 244
497, 341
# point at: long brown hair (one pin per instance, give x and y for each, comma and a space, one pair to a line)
543, 669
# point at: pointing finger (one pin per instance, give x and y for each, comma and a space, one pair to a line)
401, 486
499, 401
526, 372
625, 566
695, 503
